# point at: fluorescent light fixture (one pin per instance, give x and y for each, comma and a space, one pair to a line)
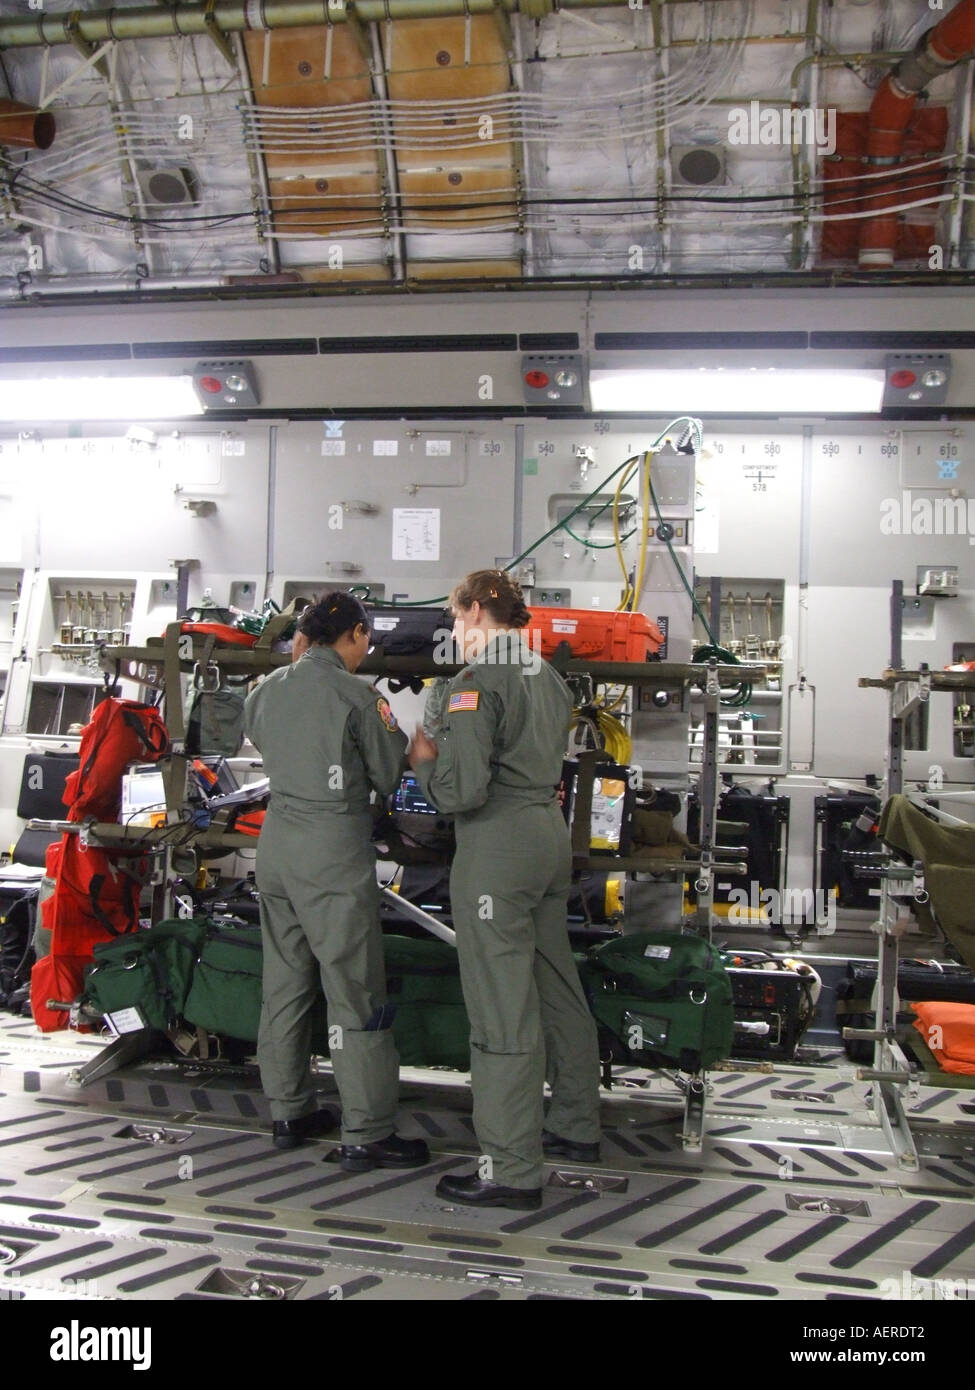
714, 390
98, 398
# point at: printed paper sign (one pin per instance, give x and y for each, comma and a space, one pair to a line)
416, 533
438, 448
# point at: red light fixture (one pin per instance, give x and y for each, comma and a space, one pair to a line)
916, 379
536, 380
218, 384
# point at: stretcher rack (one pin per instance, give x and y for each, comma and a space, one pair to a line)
161, 662
909, 694
132, 1047
712, 859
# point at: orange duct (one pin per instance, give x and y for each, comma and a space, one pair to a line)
951, 41
24, 128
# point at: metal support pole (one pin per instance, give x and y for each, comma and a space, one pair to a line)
695, 1095
416, 914
708, 801
887, 1054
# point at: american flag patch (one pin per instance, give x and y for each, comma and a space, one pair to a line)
464, 699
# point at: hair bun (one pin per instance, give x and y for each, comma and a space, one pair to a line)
331, 617
496, 591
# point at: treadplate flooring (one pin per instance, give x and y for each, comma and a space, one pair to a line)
159, 1182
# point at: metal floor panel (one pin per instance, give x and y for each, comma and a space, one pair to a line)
160, 1183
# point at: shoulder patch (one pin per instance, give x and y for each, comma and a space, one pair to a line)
463, 699
386, 714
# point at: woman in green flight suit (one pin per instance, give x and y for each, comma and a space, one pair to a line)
495, 766
326, 738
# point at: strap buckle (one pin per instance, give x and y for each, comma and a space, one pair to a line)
207, 679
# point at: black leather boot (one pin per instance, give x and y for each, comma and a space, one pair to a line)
557, 1147
288, 1134
477, 1192
391, 1152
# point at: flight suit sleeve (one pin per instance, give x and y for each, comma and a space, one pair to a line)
252, 720
459, 777
381, 742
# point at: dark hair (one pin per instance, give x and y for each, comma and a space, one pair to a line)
332, 616
496, 591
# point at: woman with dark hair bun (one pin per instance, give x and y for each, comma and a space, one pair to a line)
495, 766
326, 739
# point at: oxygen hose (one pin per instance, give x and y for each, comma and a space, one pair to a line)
607, 731
693, 427
559, 526
741, 697
644, 540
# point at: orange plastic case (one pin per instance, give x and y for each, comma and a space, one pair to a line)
595, 636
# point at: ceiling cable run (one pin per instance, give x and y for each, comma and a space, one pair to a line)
152, 21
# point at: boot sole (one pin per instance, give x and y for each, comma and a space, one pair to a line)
514, 1203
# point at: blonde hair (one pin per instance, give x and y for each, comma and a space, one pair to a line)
496, 591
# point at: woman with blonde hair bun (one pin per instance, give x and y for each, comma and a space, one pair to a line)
495, 766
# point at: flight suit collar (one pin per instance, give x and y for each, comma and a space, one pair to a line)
326, 656
510, 643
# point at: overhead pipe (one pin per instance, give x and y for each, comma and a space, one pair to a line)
236, 16
24, 127
948, 43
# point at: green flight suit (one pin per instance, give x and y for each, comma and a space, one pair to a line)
500, 754
326, 738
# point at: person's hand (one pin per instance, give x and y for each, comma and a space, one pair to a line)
421, 750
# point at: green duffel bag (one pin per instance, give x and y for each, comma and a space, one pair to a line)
214, 720
660, 1000
146, 970
225, 992
430, 1027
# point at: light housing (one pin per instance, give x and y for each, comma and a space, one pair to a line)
917, 378
98, 398
750, 390
225, 383
552, 379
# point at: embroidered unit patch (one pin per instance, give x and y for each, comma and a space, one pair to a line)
386, 715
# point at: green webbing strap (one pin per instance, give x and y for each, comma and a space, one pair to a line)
582, 800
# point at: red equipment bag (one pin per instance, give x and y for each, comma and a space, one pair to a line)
120, 732
56, 977
250, 822
45, 898
594, 636
96, 897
